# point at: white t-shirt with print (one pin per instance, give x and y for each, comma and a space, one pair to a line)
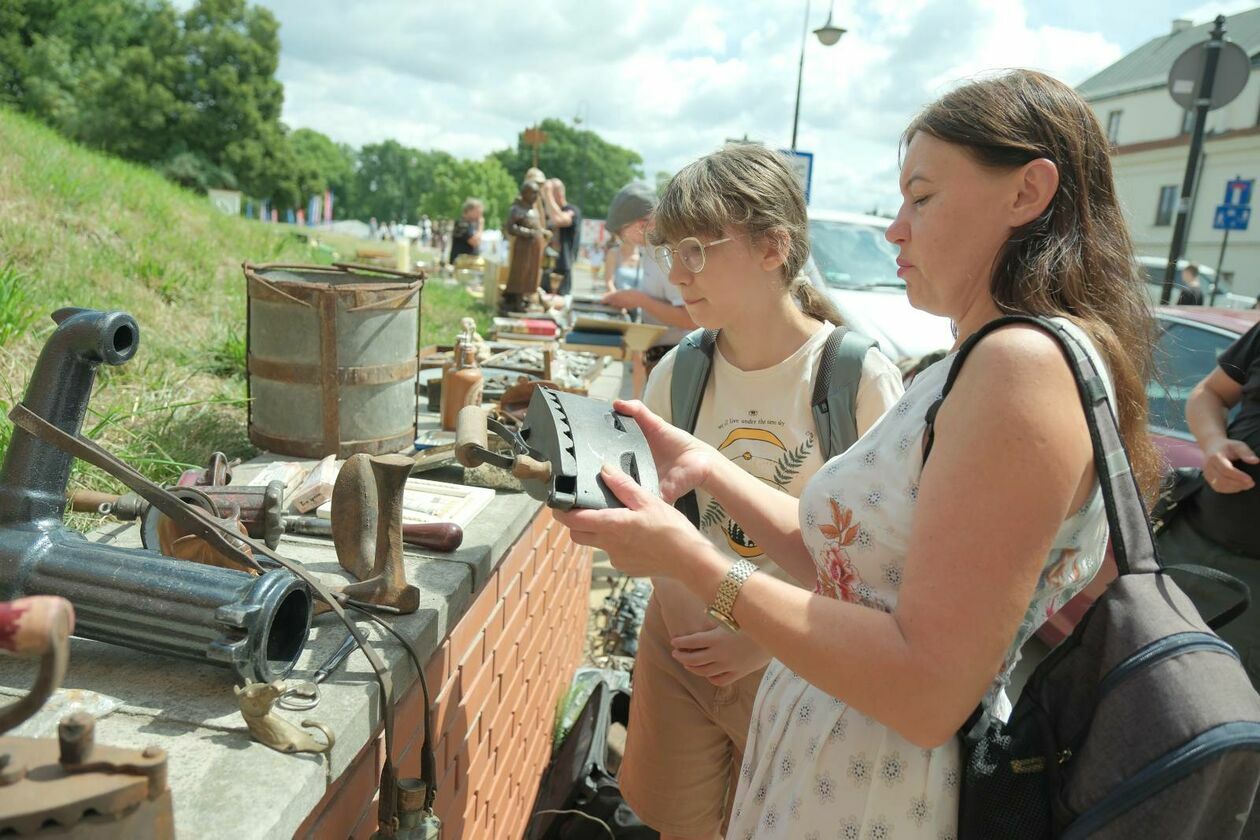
762, 421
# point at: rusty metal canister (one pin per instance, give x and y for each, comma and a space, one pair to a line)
333, 358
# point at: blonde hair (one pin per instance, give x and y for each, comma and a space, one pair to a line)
747, 186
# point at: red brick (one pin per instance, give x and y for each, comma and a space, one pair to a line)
341, 806
438, 668
445, 706
512, 597
516, 560
469, 625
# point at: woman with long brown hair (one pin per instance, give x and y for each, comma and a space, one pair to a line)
930, 576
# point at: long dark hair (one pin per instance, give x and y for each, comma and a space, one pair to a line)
1076, 259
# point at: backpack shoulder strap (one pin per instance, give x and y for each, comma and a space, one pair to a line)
692, 363
834, 403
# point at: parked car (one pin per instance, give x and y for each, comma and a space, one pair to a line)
1191, 339
857, 267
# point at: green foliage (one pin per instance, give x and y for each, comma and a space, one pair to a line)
454, 181
17, 313
194, 94
91, 230
593, 170
321, 163
228, 358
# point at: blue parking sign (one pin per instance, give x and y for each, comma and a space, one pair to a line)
1231, 217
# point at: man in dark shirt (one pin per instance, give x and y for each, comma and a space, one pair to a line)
466, 236
1192, 294
1219, 526
565, 220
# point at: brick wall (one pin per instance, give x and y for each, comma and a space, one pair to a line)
495, 680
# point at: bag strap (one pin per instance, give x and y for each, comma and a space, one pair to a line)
692, 363
834, 403
1132, 542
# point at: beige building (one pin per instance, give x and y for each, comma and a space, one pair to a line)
1151, 137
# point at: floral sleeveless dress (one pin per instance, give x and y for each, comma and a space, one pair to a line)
815, 768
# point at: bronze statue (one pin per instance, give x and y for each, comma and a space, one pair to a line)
529, 239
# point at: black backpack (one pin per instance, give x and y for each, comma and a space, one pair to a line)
1142, 723
833, 403
578, 780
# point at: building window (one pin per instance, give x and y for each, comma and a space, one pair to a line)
1167, 206
1113, 127
1187, 121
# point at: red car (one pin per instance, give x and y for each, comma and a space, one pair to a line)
1191, 339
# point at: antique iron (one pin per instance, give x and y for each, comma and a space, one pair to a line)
559, 451
130, 597
70, 786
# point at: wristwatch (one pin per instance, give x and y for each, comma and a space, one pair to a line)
728, 590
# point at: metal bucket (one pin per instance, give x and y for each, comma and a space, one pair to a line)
333, 358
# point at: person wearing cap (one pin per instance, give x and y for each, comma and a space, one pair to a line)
635, 281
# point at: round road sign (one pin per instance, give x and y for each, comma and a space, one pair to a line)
1232, 71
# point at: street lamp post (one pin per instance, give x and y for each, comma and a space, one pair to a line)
827, 36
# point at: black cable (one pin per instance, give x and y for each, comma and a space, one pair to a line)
428, 763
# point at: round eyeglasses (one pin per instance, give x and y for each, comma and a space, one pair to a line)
690, 253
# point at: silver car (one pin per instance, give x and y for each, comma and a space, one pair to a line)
857, 268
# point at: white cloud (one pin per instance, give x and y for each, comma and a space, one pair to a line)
671, 81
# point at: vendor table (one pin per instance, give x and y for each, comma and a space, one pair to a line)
502, 624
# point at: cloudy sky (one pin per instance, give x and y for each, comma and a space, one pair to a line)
673, 79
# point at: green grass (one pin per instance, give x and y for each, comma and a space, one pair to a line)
79, 228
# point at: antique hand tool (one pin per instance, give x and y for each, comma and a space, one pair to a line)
261, 509
358, 505
560, 450
71, 782
433, 536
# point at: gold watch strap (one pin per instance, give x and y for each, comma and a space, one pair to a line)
728, 590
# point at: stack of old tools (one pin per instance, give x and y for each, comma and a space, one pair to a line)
238, 604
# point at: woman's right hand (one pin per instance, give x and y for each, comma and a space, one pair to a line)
683, 463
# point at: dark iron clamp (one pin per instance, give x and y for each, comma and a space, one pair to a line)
558, 453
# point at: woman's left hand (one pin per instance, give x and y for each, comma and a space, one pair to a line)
720, 656
646, 538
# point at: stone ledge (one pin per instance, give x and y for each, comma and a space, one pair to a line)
225, 785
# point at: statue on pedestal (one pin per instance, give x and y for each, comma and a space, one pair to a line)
525, 229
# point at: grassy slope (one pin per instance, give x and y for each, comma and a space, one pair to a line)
82, 229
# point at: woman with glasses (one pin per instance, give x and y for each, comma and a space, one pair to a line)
731, 234
928, 576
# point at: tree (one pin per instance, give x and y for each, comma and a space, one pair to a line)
321, 163
454, 181
386, 181
592, 169
194, 95
232, 51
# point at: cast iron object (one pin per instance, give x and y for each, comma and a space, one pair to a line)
382, 581
261, 508
131, 597
49, 786
560, 450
